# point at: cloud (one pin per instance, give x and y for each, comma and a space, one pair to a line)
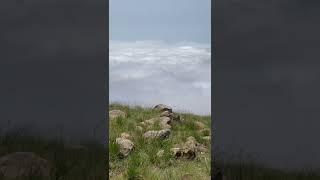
152, 72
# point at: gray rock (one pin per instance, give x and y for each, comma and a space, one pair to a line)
162, 107
199, 125
24, 164
125, 135
164, 122
162, 134
173, 116
126, 146
166, 114
113, 114
189, 149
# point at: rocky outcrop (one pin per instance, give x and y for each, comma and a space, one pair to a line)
162, 134
113, 114
24, 164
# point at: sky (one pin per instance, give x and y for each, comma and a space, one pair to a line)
166, 20
267, 80
160, 53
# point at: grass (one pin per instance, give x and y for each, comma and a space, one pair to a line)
88, 163
143, 162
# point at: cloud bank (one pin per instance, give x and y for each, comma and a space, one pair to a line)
152, 72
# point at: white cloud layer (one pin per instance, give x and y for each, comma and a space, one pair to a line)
152, 72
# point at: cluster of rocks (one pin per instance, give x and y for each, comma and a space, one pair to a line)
188, 149
166, 120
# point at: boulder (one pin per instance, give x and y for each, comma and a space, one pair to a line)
188, 149
113, 114
199, 125
126, 146
162, 134
125, 135
173, 116
166, 114
164, 122
162, 108
23, 165
177, 152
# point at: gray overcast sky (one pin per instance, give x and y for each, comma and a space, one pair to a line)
167, 20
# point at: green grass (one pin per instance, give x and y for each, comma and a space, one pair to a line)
68, 163
143, 162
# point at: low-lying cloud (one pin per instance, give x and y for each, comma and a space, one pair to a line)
152, 72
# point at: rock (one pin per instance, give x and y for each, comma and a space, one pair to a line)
162, 134
126, 146
163, 122
160, 153
173, 116
113, 114
176, 152
166, 114
188, 149
125, 135
199, 125
162, 107
151, 121
24, 164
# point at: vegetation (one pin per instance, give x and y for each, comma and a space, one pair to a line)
143, 162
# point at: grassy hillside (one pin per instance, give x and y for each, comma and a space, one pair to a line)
143, 162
